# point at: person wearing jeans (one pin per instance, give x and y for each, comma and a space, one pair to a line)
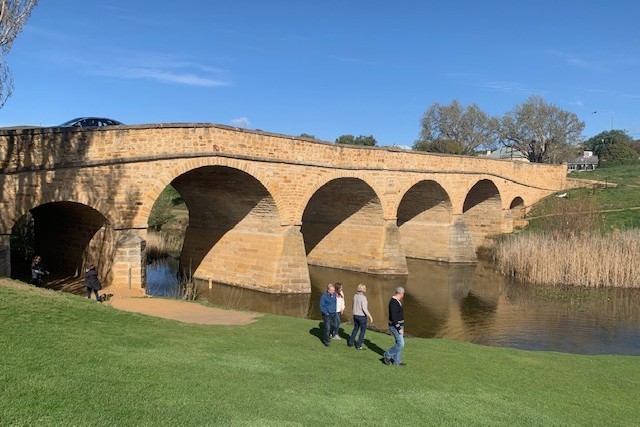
328, 310
360, 314
396, 326
335, 332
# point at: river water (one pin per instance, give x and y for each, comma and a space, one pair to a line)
462, 302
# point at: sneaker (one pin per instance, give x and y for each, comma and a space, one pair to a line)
401, 364
386, 360
337, 338
360, 348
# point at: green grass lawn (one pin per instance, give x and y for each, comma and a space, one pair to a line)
624, 196
69, 361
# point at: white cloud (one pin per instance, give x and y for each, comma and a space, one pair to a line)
577, 103
241, 122
159, 67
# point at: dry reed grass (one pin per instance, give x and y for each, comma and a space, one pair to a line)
162, 245
587, 259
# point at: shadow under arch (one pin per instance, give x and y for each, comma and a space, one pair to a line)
233, 229
517, 208
342, 225
67, 235
424, 220
482, 211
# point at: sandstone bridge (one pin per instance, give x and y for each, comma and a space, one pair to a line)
261, 206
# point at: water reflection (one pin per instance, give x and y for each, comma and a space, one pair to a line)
462, 302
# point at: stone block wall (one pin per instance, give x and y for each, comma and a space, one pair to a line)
262, 205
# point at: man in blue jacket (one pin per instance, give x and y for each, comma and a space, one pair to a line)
328, 310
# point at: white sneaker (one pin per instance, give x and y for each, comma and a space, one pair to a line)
337, 338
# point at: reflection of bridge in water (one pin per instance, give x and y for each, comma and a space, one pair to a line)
261, 206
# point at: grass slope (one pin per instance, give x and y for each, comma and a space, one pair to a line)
67, 360
623, 200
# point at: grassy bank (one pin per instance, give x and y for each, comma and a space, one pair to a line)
66, 360
616, 207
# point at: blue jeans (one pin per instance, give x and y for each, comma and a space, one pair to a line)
327, 320
89, 290
335, 328
359, 322
395, 352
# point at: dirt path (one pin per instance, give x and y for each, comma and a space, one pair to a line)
182, 311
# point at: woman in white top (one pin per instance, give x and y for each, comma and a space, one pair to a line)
339, 310
360, 314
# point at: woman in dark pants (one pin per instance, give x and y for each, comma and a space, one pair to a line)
91, 282
360, 314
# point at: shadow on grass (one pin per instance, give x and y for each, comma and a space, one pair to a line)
317, 332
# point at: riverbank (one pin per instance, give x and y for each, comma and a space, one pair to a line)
67, 360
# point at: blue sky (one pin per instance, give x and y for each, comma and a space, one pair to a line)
324, 68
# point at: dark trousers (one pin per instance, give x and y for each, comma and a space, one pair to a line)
327, 320
335, 328
95, 291
359, 323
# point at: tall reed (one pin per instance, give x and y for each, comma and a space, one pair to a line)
587, 259
162, 245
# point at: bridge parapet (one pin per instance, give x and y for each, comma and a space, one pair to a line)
44, 148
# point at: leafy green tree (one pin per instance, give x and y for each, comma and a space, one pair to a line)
456, 129
162, 211
598, 143
368, 141
306, 135
618, 153
540, 130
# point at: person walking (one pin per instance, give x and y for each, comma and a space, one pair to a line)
340, 303
91, 282
37, 271
360, 314
328, 310
396, 326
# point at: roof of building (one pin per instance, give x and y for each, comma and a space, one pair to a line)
585, 160
507, 153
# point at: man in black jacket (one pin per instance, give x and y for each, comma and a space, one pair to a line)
396, 326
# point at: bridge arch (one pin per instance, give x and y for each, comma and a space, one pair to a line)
67, 235
517, 208
171, 172
482, 211
344, 226
311, 189
424, 216
234, 235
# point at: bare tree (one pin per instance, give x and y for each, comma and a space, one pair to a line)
539, 130
456, 129
13, 15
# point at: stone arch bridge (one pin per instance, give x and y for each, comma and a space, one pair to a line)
261, 206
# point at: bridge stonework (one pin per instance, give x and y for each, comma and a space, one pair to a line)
261, 206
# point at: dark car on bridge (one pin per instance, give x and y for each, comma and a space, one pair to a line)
90, 122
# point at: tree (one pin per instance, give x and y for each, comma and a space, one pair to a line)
308, 136
13, 15
455, 129
539, 130
598, 143
368, 141
618, 153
